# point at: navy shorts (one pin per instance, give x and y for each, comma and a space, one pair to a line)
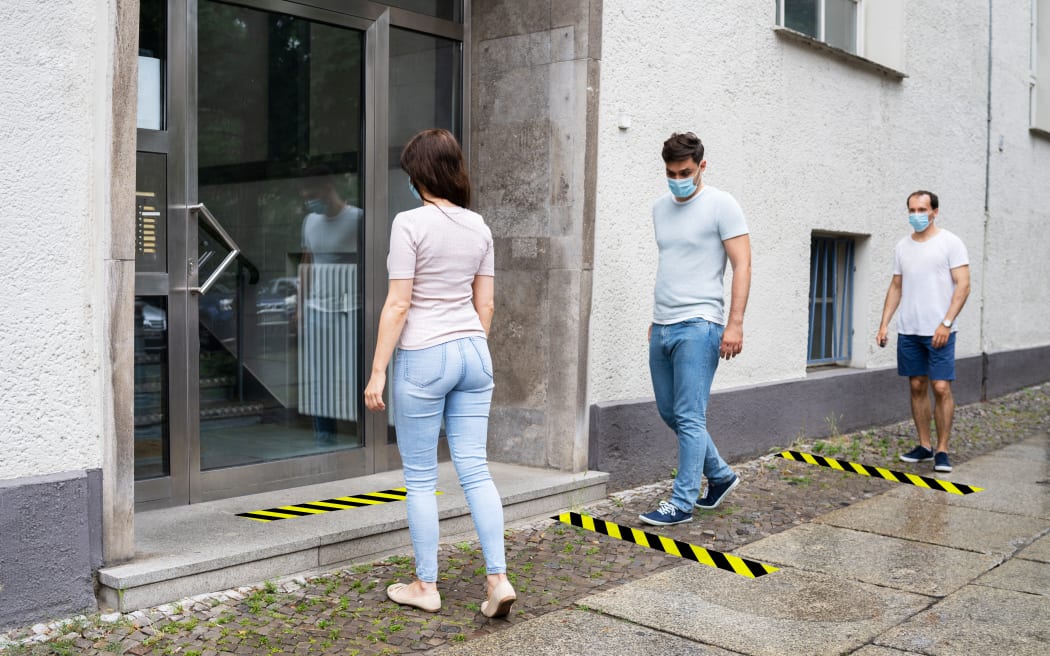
917, 357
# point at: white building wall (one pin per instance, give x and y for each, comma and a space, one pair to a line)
53, 184
805, 141
1017, 284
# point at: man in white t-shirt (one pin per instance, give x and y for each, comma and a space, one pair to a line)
328, 288
698, 228
931, 280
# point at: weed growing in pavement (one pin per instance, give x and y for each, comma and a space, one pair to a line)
464, 547
801, 481
832, 422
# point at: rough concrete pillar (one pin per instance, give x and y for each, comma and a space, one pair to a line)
534, 93
118, 442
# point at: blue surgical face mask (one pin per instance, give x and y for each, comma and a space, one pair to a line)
315, 206
681, 188
415, 192
919, 221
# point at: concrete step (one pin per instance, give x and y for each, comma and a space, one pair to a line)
205, 547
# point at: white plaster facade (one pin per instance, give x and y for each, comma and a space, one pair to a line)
807, 140
54, 154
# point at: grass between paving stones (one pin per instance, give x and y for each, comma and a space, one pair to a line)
552, 565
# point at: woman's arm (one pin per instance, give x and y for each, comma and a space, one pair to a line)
484, 303
391, 323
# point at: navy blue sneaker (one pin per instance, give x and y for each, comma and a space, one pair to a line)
667, 514
715, 493
918, 454
941, 463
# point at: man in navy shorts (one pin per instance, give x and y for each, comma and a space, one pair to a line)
931, 280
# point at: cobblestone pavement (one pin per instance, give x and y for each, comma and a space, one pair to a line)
551, 564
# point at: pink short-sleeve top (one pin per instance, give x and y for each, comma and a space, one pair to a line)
441, 250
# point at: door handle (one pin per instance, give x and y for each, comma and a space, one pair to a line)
202, 211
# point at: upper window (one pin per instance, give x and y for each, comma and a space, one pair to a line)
866, 33
1041, 66
831, 21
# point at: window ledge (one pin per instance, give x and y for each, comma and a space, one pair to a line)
844, 55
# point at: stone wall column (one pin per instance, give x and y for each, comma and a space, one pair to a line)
534, 92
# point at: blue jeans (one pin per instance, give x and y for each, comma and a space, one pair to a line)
451, 380
682, 361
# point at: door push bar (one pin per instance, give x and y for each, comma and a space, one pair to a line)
216, 228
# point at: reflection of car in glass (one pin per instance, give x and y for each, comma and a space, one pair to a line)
276, 303
217, 310
154, 319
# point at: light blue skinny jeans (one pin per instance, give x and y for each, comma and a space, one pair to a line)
683, 358
451, 381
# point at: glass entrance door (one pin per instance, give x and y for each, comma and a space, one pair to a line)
280, 152
269, 132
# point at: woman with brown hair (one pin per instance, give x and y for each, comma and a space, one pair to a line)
437, 313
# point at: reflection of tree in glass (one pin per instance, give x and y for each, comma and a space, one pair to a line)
278, 91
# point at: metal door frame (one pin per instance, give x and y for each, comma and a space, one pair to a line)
187, 483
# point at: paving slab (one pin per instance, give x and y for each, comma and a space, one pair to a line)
977, 621
581, 633
787, 612
875, 650
1034, 448
982, 531
902, 564
1021, 576
996, 467
1004, 489
1038, 550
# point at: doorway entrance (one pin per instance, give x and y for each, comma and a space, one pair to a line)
267, 132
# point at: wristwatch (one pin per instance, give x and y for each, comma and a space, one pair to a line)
947, 323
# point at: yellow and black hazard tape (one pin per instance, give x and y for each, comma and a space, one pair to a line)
328, 505
879, 472
747, 568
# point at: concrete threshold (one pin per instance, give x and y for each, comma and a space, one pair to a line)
205, 547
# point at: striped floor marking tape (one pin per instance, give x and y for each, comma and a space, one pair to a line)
747, 568
879, 472
328, 505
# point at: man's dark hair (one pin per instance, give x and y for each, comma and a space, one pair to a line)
683, 145
434, 160
319, 176
923, 192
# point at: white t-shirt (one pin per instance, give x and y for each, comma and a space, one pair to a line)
692, 262
331, 277
333, 239
925, 269
441, 254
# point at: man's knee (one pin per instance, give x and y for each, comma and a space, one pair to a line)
942, 389
919, 385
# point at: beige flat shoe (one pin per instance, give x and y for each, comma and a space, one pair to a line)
430, 602
500, 600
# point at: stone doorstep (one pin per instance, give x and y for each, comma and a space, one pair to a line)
202, 548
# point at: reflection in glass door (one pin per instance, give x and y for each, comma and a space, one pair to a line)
279, 135
253, 138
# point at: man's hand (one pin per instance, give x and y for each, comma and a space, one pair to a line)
940, 336
649, 335
882, 336
732, 341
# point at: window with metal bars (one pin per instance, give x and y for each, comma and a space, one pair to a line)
831, 269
